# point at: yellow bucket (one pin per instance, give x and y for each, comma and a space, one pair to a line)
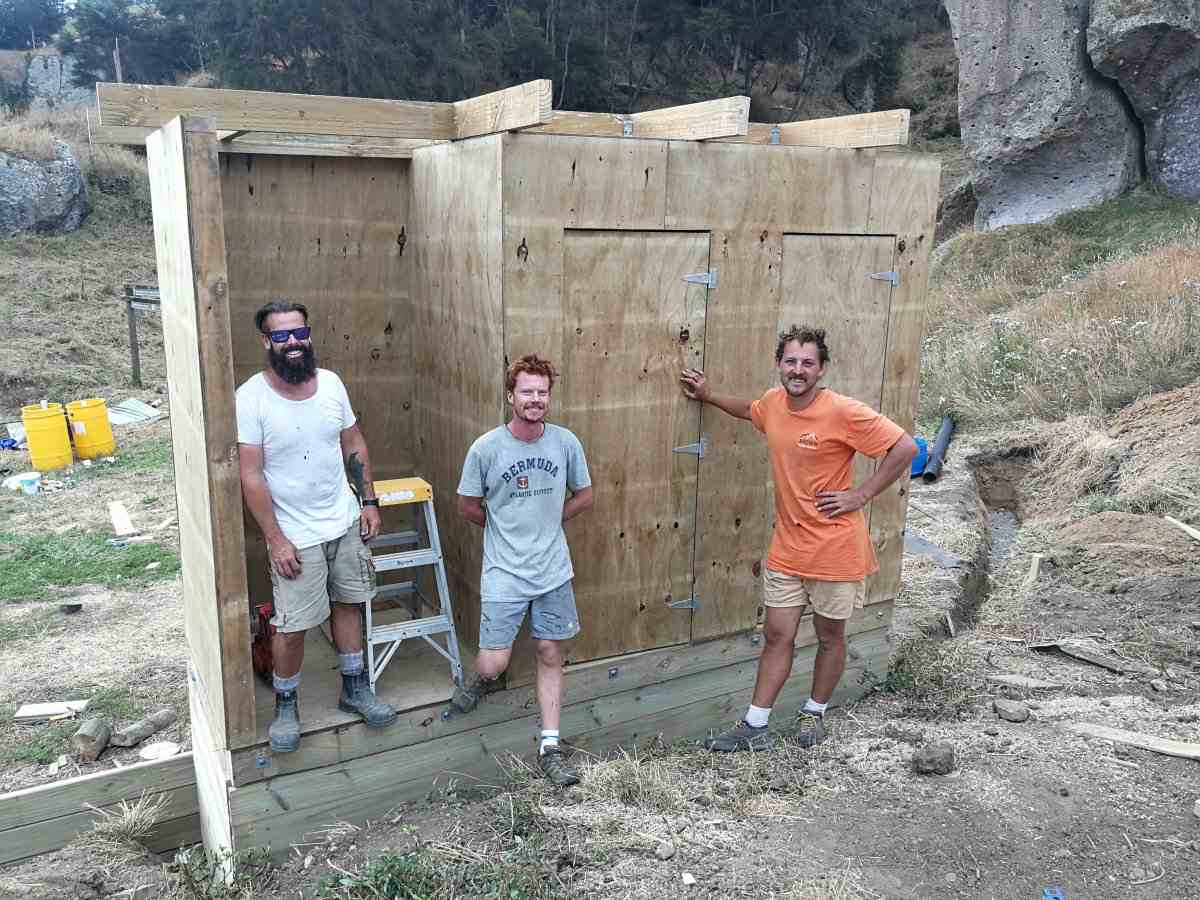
90, 425
46, 432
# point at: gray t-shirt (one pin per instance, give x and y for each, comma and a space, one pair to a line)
524, 486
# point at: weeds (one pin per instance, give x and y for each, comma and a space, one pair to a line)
42, 562
199, 875
930, 679
42, 746
31, 624
427, 874
135, 454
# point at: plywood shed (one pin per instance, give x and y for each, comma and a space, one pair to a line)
432, 243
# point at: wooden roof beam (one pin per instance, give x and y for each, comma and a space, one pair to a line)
153, 105
726, 117
277, 144
887, 128
520, 106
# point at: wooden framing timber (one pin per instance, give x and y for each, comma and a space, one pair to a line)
189, 236
286, 810
280, 144
886, 128
516, 107
151, 106
47, 817
585, 683
728, 117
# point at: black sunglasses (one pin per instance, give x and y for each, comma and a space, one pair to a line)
281, 337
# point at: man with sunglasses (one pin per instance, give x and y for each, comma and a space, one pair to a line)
297, 436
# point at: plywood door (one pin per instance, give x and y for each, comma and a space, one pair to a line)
630, 323
827, 284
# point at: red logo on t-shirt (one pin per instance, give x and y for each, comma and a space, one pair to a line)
522, 482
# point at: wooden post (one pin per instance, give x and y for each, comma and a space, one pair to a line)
134, 354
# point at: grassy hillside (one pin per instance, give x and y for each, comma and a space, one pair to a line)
1076, 316
61, 311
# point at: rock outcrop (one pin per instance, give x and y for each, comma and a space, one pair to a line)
43, 196
1151, 48
1045, 131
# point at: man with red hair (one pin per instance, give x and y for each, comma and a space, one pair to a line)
520, 483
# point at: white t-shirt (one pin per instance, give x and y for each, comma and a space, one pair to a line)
302, 456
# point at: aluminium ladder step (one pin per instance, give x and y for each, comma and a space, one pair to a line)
399, 631
409, 559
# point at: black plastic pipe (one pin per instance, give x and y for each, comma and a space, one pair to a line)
937, 453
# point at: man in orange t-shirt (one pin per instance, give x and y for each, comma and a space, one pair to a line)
821, 553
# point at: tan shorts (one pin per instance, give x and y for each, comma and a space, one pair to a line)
831, 599
341, 568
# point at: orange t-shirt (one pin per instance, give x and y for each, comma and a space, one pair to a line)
813, 450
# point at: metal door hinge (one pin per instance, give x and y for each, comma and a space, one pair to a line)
708, 278
627, 126
700, 448
892, 277
689, 602
776, 134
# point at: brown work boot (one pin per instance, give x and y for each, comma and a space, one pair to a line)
473, 689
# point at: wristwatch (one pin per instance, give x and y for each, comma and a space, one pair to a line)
373, 501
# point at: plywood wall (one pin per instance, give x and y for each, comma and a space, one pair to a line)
458, 338
333, 234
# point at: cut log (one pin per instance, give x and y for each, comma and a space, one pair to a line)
1182, 749
91, 739
139, 731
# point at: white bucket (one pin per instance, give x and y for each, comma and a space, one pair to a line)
28, 482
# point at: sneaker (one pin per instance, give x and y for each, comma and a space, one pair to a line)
467, 697
810, 729
358, 697
285, 727
741, 737
554, 765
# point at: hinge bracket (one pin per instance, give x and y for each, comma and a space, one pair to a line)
700, 448
689, 602
627, 126
892, 277
776, 134
708, 278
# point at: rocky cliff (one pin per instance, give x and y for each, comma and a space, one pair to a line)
1066, 103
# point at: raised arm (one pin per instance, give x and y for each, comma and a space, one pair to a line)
257, 497
696, 387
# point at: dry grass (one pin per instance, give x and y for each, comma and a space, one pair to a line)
118, 836
845, 884
1076, 459
1078, 317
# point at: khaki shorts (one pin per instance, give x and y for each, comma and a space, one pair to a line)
831, 599
341, 568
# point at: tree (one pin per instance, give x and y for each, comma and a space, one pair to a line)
154, 48
25, 24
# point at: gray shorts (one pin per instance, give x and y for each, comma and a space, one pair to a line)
552, 617
341, 568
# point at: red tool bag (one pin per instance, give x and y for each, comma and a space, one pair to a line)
260, 649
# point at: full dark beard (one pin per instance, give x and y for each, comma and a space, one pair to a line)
293, 372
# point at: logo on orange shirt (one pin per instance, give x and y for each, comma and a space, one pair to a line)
808, 441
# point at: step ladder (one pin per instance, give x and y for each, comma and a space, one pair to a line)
388, 637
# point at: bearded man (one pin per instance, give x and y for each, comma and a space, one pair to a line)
297, 436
